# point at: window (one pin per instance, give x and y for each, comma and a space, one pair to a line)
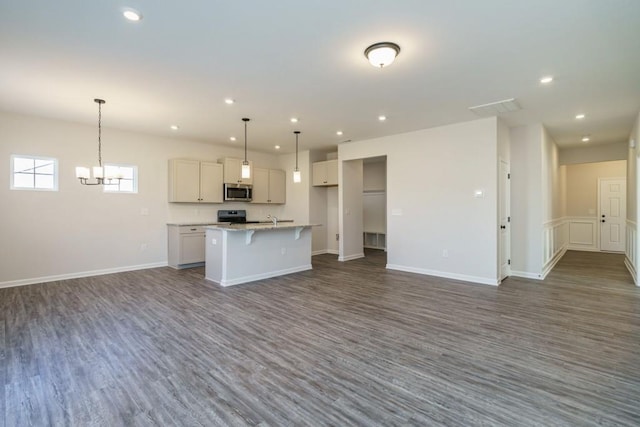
34, 173
129, 178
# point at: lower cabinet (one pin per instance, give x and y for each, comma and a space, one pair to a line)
186, 245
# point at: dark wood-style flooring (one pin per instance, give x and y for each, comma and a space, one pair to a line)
344, 344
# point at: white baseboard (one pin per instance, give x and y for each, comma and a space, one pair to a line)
350, 257
444, 274
526, 275
325, 251
46, 279
582, 248
632, 270
261, 276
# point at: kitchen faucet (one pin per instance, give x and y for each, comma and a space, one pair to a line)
273, 218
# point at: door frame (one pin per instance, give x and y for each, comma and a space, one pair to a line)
506, 194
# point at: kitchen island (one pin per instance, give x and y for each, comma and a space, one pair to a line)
241, 253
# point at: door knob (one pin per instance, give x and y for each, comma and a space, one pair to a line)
602, 215
503, 227
602, 220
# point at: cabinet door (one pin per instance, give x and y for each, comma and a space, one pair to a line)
277, 186
211, 186
260, 185
184, 180
320, 173
332, 172
192, 248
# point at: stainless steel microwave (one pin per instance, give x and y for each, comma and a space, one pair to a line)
238, 192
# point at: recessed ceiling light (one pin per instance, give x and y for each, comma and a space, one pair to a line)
132, 15
294, 120
175, 127
585, 139
229, 101
580, 116
382, 118
546, 79
277, 147
232, 139
339, 133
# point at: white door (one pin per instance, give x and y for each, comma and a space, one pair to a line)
505, 220
613, 213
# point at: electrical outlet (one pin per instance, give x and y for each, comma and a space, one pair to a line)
143, 247
445, 253
144, 211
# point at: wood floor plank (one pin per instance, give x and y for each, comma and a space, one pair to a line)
342, 344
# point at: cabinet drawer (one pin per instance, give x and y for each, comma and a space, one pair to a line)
188, 229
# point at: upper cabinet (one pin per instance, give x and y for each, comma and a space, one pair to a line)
193, 181
325, 173
233, 171
269, 186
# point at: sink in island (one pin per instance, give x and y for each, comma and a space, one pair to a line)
241, 253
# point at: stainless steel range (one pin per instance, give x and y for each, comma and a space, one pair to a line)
238, 216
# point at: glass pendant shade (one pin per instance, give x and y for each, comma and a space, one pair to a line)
297, 177
82, 172
246, 170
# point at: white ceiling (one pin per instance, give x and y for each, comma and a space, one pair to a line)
285, 58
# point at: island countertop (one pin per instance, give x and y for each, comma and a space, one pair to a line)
259, 226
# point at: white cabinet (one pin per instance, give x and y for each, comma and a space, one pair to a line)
186, 245
269, 186
233, 171
193, 181
325, 173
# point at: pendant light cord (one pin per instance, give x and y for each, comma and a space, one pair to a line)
99, 133
296, 151
245, 141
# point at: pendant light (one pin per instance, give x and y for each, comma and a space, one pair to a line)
82, 173
246, 168
296, 172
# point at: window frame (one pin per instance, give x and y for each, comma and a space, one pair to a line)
118, 191
12, 172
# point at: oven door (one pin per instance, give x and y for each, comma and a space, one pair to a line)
238, 192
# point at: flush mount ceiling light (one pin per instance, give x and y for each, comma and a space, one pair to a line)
294, 120
175, 127
232, 139
382, 54
546, 79
339, 133
132, 15
382, 118
580, 116
82, 173
296, 172
246, 168
277, 147
229, 101
585, 139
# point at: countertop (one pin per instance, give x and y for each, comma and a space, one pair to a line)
197, 223
260, 226
194, 223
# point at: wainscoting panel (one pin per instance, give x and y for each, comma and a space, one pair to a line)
631, 260
555, 242
583, 233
